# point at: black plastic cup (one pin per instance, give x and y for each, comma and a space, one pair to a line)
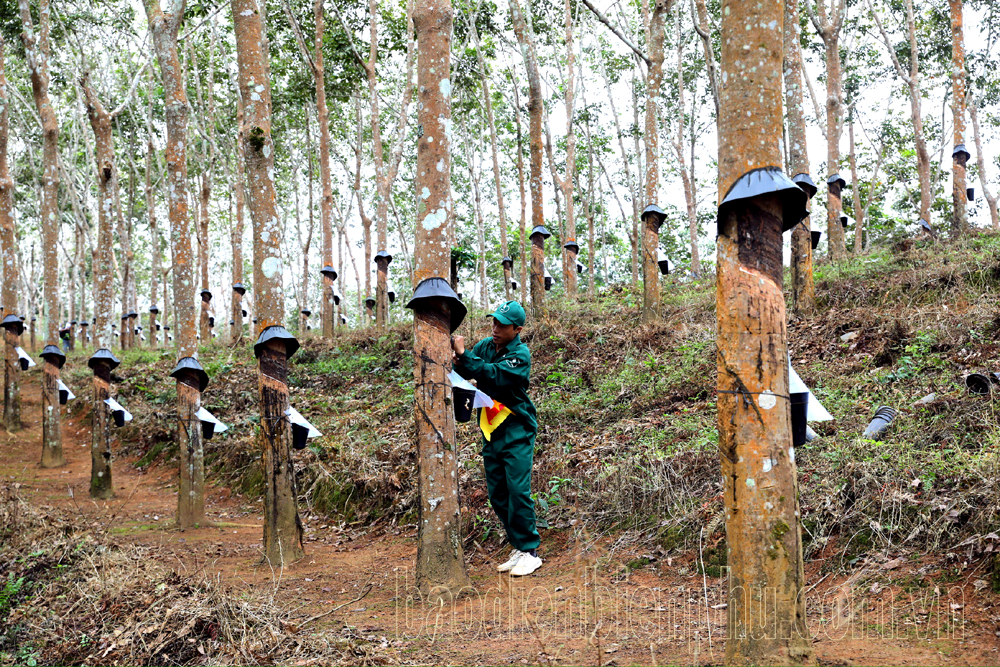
300, 434
884, 416
63, 397
816, 236
463, 403
978, 384
119, 416
207, 430
970, 194
800, 404
24, 364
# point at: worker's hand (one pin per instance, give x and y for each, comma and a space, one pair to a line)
458, 344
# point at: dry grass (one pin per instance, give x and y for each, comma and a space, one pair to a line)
88, 601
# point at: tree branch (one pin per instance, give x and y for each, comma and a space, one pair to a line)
614, 29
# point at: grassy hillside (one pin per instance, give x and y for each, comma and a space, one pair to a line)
627, 441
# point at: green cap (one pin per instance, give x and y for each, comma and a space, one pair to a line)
509, 313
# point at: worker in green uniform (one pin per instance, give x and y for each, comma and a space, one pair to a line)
501, 366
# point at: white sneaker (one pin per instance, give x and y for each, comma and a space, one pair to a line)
525, 565
511, 562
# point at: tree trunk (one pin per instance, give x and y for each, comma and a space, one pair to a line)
959, 220
766, 604
440, 568
8, 264
803, 288
154, 231
497, 178
523, 251
834, 128
570, 247
991, 198
535, 110
282, 527
687, 170
651, 225
859, 211
163, 28
236, 312
36, 49
326, 202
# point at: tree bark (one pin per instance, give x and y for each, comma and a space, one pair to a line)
656, 34
326, 202
154, 232
766, 607
101, 486
440, 570
686, 169
960, 218
36, 48
523, 251
163, 27
8, 264
526, 40
282, 527
236, 332
803, 287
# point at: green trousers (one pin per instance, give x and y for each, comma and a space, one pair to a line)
507, 459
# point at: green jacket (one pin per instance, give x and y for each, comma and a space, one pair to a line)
503, 375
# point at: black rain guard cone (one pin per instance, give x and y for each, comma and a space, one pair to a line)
382, 254
306, 312
132, 314
836, 178
768, 180
540, 229
207, 430
572, 245
507, 263
805, 182
119, 416
884, 416
54, 354
329, 272
437, 289
206, 296
816, 236
276, 331
654, 210
63, 397
153, 309
104, 355
22, 318
978, 384
13, 323
231, 323
300, 434
239, 288
800, 403
960, 151
926, 226
370, 301
191, 365
463, 403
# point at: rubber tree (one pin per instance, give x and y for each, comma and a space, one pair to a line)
36, 51
497, 174
526, 40
156, 249
959, 158
911, 78
239, 201
328, 311
991, 198
440, 570
8, 262
828, 18
282, 527
803, 287
570, 247
766, 603
163, 27
655, 36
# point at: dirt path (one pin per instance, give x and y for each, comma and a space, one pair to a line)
580, 608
